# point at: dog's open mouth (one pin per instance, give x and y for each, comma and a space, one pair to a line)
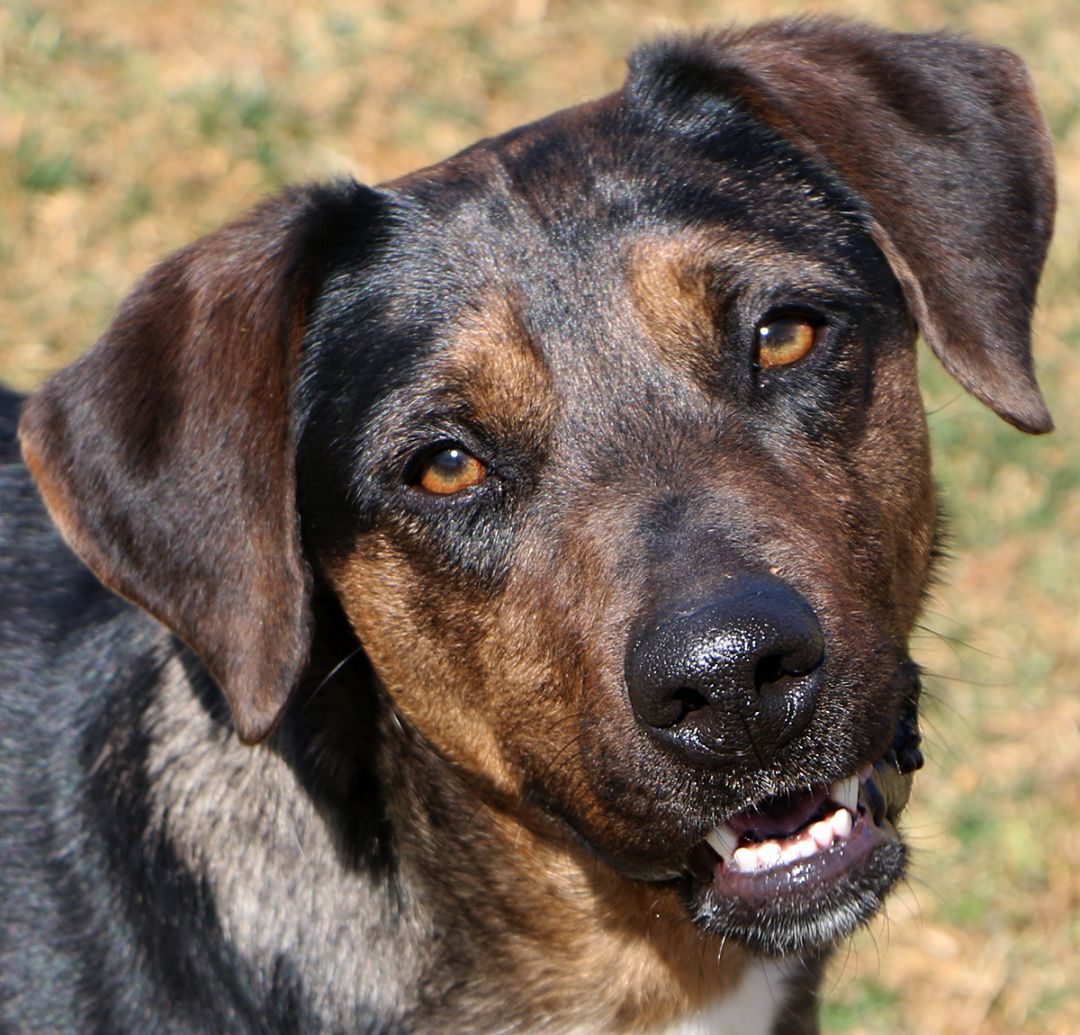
816, 829
804, 868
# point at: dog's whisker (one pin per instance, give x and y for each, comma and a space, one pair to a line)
331, 675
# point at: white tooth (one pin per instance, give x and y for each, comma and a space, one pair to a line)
846, 792
723, 841
806, 847
841, 824
768, 855
801, 848
822, 832
743, 860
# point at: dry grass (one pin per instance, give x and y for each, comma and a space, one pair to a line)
126, 129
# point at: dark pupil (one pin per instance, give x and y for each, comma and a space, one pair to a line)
778, 333
449, 462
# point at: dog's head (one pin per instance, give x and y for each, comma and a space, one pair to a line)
606, 435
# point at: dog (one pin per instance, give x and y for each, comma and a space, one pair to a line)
481, 603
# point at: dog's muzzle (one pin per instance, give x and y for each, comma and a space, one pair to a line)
730, 680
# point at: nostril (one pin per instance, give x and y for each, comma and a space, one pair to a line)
775, 668
769, 670
689, 700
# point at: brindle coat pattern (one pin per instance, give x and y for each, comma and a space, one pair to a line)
452, 820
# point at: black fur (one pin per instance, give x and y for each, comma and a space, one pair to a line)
460, 824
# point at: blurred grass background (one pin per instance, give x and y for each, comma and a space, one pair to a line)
128, 128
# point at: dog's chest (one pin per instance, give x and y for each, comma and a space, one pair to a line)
752, 1007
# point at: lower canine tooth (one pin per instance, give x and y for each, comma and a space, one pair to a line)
841, 823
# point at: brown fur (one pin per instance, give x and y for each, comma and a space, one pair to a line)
456, 811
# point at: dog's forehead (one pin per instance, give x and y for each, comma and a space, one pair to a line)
597, 224
572, 185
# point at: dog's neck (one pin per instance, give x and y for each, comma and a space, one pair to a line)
443, 911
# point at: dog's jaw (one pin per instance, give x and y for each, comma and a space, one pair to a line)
797, 872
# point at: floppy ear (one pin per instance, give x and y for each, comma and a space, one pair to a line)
943, 141
166, 457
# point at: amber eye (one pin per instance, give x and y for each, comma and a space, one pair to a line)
784, 340
451, 470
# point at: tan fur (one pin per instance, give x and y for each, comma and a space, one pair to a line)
604, 947
668, 282
491, 362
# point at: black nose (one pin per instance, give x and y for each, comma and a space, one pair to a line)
731, 677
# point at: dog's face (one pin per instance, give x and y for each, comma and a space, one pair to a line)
606, 435
589, 446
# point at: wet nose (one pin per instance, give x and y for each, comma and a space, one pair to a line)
730, 677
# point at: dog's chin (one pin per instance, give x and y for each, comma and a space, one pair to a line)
799, 871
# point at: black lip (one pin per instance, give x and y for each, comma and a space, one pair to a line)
793, 909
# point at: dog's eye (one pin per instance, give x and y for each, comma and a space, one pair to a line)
449, 470
784, 340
